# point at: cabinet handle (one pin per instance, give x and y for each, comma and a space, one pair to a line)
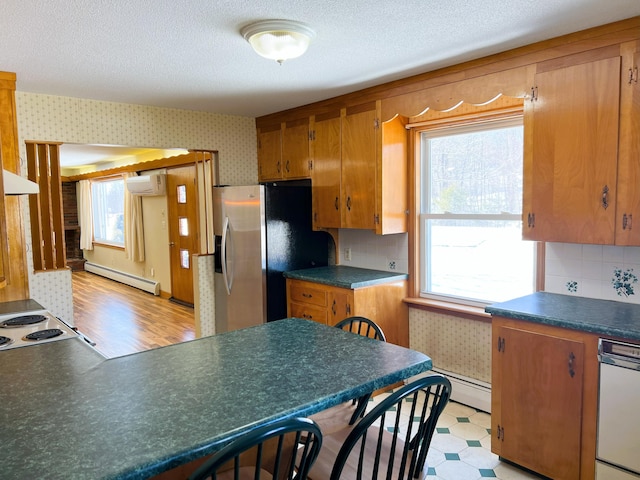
572, 358
278, 166
337, 204
286, 166
626, 221
500, 433
500, 344
605, 197
307, 295
348, 309
633, 75
333, 307
531, 220
349, 203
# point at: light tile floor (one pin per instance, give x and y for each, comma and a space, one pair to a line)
461, 447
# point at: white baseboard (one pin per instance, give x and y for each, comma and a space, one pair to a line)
468, 391
126, 278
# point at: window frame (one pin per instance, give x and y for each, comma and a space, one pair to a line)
472, 121
105, 242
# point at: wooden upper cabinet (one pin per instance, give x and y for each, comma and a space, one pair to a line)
359, 171
392, 190
4, 252
326, 147
572, 143
270, 154
283, 151
295, 149
12, 240
628, 199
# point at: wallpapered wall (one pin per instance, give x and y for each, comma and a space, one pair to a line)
458, 345
464, 346
73, 120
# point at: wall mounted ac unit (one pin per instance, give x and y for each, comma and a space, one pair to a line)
147, 184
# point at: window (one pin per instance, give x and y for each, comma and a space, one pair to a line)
471, 245
107, 197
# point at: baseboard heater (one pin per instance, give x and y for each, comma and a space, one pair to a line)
468, 391
126, 278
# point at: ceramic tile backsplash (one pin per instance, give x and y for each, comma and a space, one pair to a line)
75, 120
377, 252
595, 271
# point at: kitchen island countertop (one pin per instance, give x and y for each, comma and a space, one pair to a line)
603, 317
345, 277
69, 413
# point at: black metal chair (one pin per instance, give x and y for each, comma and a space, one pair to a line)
379, 445
284, 450
362, 326
343, 415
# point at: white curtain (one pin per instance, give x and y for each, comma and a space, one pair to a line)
85, 215
133, 227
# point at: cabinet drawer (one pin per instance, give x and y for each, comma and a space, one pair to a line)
310, 312
307, 294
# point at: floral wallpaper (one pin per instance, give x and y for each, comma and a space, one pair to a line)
75, 120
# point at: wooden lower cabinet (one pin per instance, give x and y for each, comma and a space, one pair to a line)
382, 303
544, 398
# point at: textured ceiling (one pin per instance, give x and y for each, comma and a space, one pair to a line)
191, 55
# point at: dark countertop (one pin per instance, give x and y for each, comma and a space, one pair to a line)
72, 414
19, 306
603, 317
345, 277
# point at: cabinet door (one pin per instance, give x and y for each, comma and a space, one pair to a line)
392, 178
537, 412
295, 149
340, 305
574, 144
4, 260
326, 145
269, 155
628, 205
359, 169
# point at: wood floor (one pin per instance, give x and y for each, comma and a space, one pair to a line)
123, 320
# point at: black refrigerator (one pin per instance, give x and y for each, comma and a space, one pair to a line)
260, 232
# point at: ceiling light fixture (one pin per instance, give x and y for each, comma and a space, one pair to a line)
278, 40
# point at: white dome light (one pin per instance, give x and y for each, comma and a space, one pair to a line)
278, 40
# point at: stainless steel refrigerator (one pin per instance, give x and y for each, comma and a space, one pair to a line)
260, 232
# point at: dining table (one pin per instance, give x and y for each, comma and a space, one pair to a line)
68, 413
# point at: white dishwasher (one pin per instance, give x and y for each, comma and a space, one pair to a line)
618, 453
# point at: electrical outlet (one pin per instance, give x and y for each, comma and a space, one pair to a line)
347, 254
392, 265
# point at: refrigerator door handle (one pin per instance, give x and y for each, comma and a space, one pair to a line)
227, 276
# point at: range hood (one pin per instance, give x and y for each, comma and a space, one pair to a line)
17, 185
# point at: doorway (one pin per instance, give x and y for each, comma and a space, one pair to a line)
182, 203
